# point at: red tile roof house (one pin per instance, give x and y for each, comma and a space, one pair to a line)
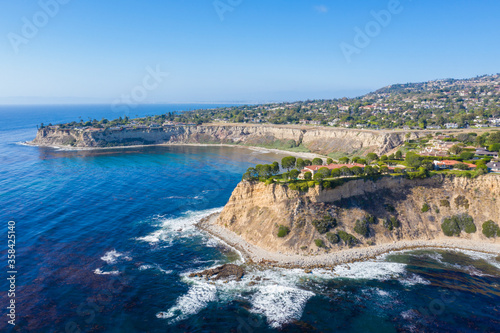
314, 168
447, 164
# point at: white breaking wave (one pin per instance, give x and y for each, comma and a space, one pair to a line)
98, 271
111, 257
414, 279
371, 270
144, 267
489, 258
196, 299
181, 227
280, 304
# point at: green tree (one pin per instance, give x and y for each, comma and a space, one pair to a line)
336, 173
461, 166
308, 175
329, 161
300, 164
288, 162
294, 174
307, 162
494, 147
357, 170
275, 167
384, 158
456, 149
413, 160
325, 172
466, 155
399, 155
318, 177
344, 160
317, 161
371, 157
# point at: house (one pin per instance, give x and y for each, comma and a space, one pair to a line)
448, 164
486, 152
451, 125
493, 166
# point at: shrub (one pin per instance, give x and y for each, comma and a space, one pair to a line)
332, 238
462, 201
392, 223
390, 208
491, 229
311, 184
395, 222
348, 239
283, 231
454, 225
304, 187
425, 208
466, 223
319, 243
325, 224
370, 219
444, 203
361, 228
450, 228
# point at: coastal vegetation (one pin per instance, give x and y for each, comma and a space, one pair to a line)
283, 231
325, 224
453, 226
491, 229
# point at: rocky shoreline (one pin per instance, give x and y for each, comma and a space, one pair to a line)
253, 254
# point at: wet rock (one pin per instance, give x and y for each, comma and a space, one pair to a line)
226, 272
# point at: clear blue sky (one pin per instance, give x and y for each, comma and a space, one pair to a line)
96, 51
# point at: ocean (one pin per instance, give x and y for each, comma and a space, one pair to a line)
105, 242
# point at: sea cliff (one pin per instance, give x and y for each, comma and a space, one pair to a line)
255, 212
321, 140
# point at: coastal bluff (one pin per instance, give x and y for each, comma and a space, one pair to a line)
255, 212
320, 140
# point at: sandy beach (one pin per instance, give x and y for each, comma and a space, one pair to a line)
255, 254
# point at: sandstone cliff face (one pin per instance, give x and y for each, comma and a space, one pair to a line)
317, 140
255, 210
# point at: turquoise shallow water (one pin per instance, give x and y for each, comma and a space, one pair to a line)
105, 243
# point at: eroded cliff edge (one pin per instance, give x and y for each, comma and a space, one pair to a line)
255, 211
321, 140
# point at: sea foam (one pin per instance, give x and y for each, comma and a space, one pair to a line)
179, 227
280, 304
196, 299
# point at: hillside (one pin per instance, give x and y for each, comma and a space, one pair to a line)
255, 212
317, 140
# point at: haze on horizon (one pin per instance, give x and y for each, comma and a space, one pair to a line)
236, 51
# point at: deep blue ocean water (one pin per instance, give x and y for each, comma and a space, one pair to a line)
105, 243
